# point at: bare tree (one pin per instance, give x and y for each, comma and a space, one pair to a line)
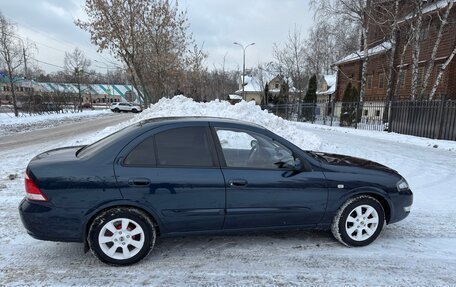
11, 55
431, 63
292, 59
354, 11
329, 40
149, 36
416, 32
441, 72
197, 72
77, 64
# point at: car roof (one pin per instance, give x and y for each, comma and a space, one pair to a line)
196, 119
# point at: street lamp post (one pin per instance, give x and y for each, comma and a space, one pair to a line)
243, 65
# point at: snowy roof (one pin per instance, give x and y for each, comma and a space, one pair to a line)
331, 82
358, 55
252, 84
430, 8
235, 97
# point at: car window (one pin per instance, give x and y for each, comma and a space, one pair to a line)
187, 146
142, 155
100, 145
252, 150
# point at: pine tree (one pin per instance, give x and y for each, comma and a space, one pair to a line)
308, 108
350, 101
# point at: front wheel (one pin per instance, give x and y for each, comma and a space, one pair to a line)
121, 236
358, 221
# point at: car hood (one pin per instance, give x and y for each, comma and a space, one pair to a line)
338, 160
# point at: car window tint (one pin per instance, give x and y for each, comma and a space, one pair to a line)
252, 150
187, 146
105, 142
142, 155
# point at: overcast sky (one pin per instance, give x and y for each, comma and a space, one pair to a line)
217, 23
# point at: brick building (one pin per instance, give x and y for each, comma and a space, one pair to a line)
379, 45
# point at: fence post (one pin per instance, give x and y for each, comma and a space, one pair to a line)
356, 115
390, 124
442, 118
333, 104
314, 112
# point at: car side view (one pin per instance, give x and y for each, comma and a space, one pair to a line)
194, 175
126, 107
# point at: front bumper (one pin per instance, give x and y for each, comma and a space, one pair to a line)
402, 203
46, 222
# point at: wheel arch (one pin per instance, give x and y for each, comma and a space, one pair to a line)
126, 204
378, 194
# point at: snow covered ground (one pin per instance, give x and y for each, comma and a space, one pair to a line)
10, 124
419, 251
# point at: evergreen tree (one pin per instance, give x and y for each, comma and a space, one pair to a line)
308, 108
350, 102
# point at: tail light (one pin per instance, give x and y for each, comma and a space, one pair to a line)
32, 192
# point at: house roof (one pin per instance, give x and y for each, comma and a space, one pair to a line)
331, 81
254, 85
235, 97
358, 55
431, 7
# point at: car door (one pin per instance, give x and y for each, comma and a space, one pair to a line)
174, 172
265, 186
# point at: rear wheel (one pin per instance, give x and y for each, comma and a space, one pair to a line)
121, 236
358, 221
134, 111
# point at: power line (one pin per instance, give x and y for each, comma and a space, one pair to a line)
65, 43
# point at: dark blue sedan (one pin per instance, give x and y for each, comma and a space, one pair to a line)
175, 176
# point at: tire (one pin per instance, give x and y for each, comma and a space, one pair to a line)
134, 111
116, 110
358, 221
121, 236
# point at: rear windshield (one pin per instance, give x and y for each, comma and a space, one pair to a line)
99, 145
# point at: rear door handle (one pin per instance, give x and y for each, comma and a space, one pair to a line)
141, 182
237, 182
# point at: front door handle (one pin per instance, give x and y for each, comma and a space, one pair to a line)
141, 182
237, 182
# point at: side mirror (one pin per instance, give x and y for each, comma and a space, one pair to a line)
297, 164
254, 143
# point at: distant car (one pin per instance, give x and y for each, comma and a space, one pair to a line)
176, 176
126, 107
86, 106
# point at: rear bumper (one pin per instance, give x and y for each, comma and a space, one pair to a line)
402, 203
46, 222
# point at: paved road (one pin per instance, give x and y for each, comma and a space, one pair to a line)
19, 140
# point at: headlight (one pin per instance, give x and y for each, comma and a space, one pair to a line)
402, 185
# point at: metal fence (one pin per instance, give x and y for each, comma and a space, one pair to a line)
432, 119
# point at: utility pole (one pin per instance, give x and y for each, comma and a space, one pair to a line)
243, 65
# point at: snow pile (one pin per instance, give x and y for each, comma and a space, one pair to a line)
245, 111
392, 138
